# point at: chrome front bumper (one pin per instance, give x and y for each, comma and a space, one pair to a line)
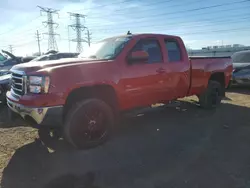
50, 116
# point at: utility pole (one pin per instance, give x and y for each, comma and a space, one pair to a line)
88, 37
78, 27
11, 48
69, 38
38, 41
50, 24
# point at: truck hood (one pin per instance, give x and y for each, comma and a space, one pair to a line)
38, 65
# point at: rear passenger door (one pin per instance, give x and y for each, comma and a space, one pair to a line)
144, 82
178, 67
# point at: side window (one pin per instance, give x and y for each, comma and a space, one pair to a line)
174, 51
44, 58
53, 57
61, 56
10, 62
152, 47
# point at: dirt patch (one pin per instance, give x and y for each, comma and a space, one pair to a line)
196, 143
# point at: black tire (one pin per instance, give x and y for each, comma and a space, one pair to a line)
88, 124
212, 97
3, 98
229, 84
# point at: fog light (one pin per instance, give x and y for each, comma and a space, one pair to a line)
35, 89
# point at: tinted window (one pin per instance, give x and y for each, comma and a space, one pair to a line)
53, 57
60, 56
174, 52
68, 55
10, 62
152, 47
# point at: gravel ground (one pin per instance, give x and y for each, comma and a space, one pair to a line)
178, 146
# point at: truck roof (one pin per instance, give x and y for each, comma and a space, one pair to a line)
142, 35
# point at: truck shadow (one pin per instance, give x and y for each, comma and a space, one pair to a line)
180, 146
6, 122
239, 89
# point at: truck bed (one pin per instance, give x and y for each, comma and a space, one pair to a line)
202, 67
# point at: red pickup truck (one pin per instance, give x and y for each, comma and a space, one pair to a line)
84, 96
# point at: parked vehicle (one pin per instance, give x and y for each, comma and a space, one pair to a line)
115, 75
55, 56
12, 60
4, 86
2, 58
241, 68
5, 65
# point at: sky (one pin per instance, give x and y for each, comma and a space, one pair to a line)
200, 23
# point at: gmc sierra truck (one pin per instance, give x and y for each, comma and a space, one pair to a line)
85, 96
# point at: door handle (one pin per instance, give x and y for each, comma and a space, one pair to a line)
160, 70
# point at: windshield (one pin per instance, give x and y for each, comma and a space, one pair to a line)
105, 49
9, 62
242, 57
2, 58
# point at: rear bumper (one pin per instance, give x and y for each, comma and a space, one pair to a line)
45, 116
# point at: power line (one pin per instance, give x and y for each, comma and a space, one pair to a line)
101, 6
205, 32
15, 28
50, 24
128, 8
198, 26
174, 12
151, 8
78, 27
25, 44
157, 16
219, 31
174, 23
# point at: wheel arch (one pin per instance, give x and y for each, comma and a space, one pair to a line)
219, 77
104, 92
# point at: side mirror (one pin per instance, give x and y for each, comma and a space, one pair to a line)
138, 57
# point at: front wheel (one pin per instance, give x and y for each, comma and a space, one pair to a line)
88, 124
212, 97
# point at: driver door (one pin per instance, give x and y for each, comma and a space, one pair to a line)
143, 82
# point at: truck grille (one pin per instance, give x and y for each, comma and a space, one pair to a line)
18, 84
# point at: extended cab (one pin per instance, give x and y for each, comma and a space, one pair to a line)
84, 96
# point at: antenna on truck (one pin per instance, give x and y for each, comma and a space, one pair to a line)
129, 33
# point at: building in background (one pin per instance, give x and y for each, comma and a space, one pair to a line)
218, 51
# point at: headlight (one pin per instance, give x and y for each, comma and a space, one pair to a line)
35, 89
38, 84
35, 80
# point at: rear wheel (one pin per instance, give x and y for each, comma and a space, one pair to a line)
229, 85
212, 97
89, 123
